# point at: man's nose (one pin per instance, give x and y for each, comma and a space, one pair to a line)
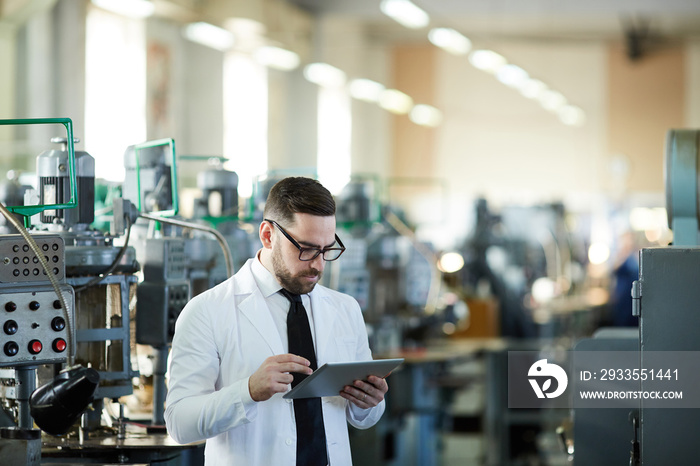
318, 263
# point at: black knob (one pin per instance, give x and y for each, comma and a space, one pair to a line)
10, 307
58, 324
57, 304
10, 327
34, 305
11, 348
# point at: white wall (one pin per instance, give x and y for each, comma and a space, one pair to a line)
496, 142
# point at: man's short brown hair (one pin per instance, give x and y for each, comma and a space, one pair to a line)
298, 195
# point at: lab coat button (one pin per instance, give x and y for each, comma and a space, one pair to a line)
288, 441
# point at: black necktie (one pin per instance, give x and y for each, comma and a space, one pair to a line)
311, 435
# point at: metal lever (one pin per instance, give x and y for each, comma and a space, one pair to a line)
635, 459
566, 443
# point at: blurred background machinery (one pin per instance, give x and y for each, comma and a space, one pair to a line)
127, 261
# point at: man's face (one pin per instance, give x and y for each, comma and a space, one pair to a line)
308, 230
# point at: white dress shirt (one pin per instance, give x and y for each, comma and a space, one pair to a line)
278, 304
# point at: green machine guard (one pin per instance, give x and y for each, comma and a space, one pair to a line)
28, 211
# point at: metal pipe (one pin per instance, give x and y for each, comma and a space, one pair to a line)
194, 226
26, 384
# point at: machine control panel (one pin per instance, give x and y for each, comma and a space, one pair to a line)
19, 264
33, 325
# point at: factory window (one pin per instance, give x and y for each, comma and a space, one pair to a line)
334, 132
115, 89
245, 118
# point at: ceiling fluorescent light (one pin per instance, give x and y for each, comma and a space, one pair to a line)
366, 89
552, 100
487, 60
571, 115
395, 101
450, 41
512, 75
405, 13
425, 115
532, 88
324, 75
209, 35
130, 8
276, 57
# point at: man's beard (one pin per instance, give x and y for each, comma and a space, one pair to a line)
289, 282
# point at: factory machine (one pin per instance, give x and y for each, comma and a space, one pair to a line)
665, 301
505, 256
79, 299
666, 297
39, 305
218, 206
395, 280
175, 266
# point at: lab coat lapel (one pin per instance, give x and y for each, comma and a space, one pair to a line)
324, 321
254, 308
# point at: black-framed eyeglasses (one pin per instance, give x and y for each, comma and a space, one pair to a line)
309, 254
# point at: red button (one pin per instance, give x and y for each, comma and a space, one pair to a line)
59, 345
35, 346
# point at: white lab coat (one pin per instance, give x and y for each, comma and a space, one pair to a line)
222, 336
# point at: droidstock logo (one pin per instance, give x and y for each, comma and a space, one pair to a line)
546, 372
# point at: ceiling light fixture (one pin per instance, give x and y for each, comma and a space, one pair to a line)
395, 101
276, 57
552, 100
532, 88
425, 115
487, 60
366, 89
405, 13
324, 75
450, 41
571, 115
130, 8
512, 75
209, 35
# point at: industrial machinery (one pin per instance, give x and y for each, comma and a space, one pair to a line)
96, 272
38, 318
102, 273
217, 206
392, 275
394, 278
151, 193
665, 300
508, 252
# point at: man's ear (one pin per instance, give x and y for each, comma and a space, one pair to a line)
265, 234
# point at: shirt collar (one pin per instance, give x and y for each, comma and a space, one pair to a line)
266, 281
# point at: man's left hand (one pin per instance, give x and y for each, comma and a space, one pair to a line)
366, 394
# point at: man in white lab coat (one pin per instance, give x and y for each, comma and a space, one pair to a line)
231, 358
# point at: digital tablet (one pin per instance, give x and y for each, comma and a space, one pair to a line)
330, 378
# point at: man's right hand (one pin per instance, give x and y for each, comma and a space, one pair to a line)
273, 375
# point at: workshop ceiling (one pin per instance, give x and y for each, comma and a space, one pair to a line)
576, 20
